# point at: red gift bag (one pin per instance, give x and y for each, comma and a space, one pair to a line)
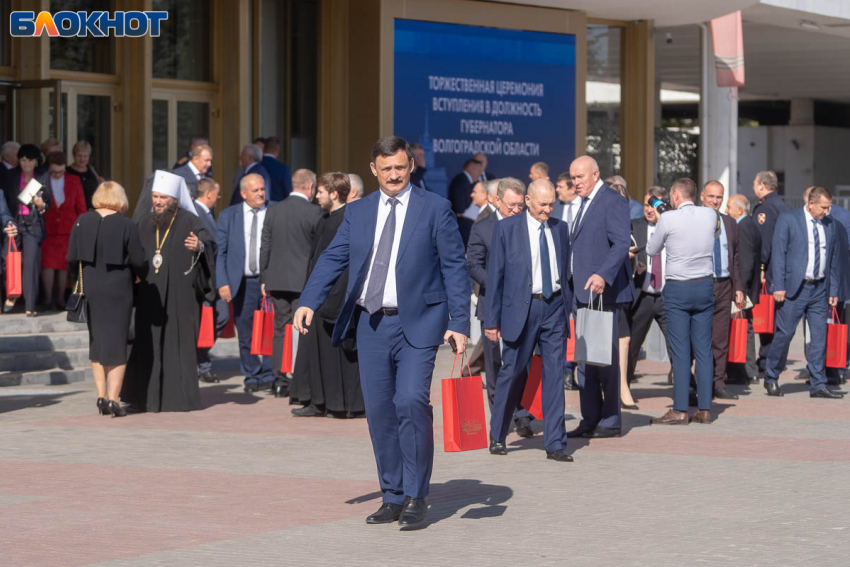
571, 342
290, 350
14, 284
464, 423
836, 343
229, 330
763, 313
262, 333
206, 334
738, 338
531, 396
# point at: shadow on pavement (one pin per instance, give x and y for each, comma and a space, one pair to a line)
226, 394
448, 498
19, 402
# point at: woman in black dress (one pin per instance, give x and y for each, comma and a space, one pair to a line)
81, 168
107, 246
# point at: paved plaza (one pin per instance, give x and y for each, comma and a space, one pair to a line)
245, 483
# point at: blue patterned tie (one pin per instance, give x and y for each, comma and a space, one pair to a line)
577, 220
816, 274
545, 271
380, 267
718, 261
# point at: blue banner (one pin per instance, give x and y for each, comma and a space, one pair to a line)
460, 90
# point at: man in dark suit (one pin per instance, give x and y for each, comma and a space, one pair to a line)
765, 214
195, 141
237, 273
460, 194
511, 203
727, 286
278, 171
566, 209
804, 281
842, 232
408, 292
289, 235
649, 283
749, 260
196, 168
528, 308
208, 193
600, 265
417, 177
481, 158
251, 159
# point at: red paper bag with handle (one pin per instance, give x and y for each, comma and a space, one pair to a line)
206, 335
836, 342
229, 331
14, 285
763, 313
464, 423
531, 396
738, 338
571, 342
290, 350
262, 334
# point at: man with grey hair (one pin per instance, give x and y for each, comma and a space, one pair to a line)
765, 214
635, 208
356, 188
491, 187
251, 158
9, 154
197, 167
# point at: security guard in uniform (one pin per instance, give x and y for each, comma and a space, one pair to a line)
765, 214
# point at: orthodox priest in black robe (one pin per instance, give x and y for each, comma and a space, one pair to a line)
162, 371
326, 379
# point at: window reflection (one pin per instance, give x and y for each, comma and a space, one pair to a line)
603, 97
182, 51
86, 54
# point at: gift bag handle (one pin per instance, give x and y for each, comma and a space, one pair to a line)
12, 244
599, 296
267, 307
463, 357
834, 314
764, 288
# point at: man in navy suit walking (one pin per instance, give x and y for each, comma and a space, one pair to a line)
278, 171
237, 273
600, 265
527, 307
804, 282
408, 292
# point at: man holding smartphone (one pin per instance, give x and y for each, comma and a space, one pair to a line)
649, 281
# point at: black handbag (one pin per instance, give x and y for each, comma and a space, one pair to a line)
76, 306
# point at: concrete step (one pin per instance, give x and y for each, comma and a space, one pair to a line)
66, 359
46, 342
47, 377
225, 348
20, 324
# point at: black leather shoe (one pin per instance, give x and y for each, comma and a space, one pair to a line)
209, 378
252, 387
772, 389
103, 406
386, 514
605, 432
116, 410
413, 512
826, 393
693, 400
497, 448
724, 394
753, 380
281, 390
559, 455
570, 381
523, 427
309, 411
628, 406
581, 431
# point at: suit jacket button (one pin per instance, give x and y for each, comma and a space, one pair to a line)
526, 303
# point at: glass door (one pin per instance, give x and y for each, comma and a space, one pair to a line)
178, 116
88, 115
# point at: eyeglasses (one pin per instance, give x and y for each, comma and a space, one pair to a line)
516, 207
54, 173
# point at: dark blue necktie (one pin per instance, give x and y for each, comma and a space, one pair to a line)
718, 261
577, 220
816, 274
380, 267
545, 271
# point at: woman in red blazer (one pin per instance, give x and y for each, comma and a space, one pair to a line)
69, 203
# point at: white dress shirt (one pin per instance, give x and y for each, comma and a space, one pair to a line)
8, 165
650, 261
384, 208
536, 270
194, 170
203, 206
58, 188
249, 218
570, 211
810, 263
